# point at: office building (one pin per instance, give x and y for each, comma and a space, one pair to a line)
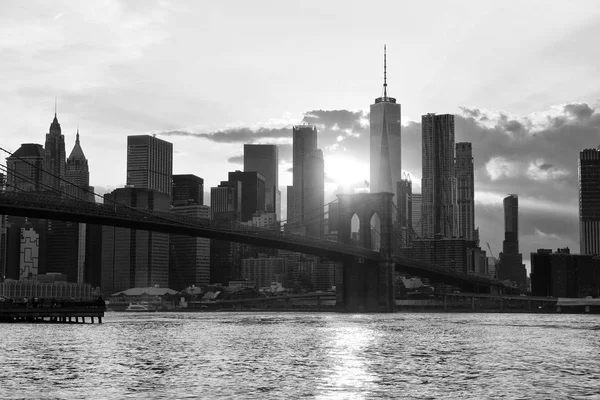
465, 191
187, 189
149, 163
64, 252
226, 201
77, 174
385, 143
589, 201
189, 258
55, 158
562, 274
24, 168
253, 192
133, 257
510, 266
308, 191
438, 183
264, 159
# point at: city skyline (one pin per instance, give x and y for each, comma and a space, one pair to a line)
526, 130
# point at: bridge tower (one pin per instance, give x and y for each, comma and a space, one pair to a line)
364, 285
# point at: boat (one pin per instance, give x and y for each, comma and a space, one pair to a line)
135, 307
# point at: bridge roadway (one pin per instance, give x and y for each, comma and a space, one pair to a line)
39, 205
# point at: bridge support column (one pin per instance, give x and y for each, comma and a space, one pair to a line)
365, 286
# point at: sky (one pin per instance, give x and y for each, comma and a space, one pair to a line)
521, 79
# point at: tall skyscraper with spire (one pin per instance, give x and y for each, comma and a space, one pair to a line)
55, 156
385, 162
77, 172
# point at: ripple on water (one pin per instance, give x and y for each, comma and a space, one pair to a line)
293, 355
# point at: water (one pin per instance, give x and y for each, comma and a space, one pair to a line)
302, 355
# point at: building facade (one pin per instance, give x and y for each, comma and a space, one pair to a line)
465, 191
562, 274
417, 216
149, 163
264, 159
187, 189
589, 201
438, 182
253, 192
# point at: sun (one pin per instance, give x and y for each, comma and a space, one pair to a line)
343, 171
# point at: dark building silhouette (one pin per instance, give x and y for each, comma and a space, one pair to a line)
438, 179
55, 157
589, 201
78, 174
253, 192
562, 274
264, 159
189, 257
465, 191
149, 163
133, 257
306, 216
225, 256
511, 265
24, 168
404, 216
187, 189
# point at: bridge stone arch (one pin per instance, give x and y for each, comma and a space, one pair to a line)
365, 205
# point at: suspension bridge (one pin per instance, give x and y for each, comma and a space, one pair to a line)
365, 264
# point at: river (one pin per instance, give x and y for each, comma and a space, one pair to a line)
302, 355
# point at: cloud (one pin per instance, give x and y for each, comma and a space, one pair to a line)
239, 159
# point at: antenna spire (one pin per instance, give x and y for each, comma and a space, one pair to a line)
55, 102
384, 72
77, 137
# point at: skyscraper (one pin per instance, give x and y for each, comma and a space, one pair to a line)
226, 201
77, 172
465, 191
134, 257
308, 183
385, 143
253, 192
78, 176
264, 159
438, 179
187, 189
511, 265
24, 168
149, 163
55, 157
589, 201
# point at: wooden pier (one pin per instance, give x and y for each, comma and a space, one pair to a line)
53, 311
